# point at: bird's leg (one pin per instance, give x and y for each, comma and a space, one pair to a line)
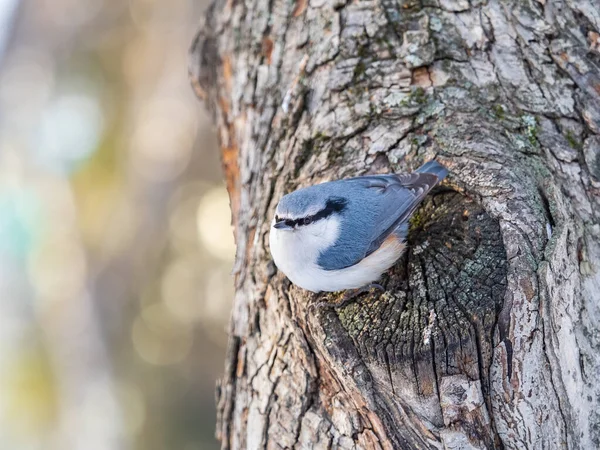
349, 296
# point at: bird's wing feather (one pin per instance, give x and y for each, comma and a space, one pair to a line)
384, 202
402, 194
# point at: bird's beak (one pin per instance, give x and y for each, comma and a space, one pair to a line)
281, 225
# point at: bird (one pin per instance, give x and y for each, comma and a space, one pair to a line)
344, 234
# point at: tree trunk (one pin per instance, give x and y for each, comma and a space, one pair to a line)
487, 335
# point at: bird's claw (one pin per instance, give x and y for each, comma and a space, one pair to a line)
348, 297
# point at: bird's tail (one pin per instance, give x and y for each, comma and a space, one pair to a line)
435, 168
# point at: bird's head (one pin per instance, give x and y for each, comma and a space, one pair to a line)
306, 208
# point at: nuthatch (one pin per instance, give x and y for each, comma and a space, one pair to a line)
344, 234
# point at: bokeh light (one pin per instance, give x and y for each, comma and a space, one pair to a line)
181, 289
163, 138
214, 224
159, 338
69, 132
116, 245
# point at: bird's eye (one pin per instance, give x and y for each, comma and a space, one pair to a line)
308, 220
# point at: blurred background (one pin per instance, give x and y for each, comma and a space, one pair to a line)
115, 239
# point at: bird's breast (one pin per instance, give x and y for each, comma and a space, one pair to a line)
297, 259
295, 252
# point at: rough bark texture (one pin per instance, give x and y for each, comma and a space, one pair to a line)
487, 335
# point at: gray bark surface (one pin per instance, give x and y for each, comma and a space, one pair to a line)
488, 333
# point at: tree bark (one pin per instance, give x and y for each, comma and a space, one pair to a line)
487, 335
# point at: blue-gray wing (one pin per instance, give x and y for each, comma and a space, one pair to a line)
401, 195
379, 205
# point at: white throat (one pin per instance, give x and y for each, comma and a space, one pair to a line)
296, 251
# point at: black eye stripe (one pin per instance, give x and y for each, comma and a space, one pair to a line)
333, 205
336, 204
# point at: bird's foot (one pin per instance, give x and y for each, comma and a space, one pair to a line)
349, 296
